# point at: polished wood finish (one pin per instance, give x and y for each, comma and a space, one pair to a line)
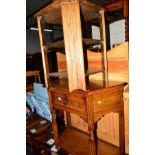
103, 46
98, 100
114, 6
71, 22
89, 100
53, 16
82, 139
65, 75
60, 43
108, 126
126, 8
73, 44
43, 51
52, 13
54, 123
36, 75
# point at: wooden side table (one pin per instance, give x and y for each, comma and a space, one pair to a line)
33, 74
90, 105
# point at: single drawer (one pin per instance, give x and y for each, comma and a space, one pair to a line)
69, 101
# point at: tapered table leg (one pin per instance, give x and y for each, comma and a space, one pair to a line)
92, 141
122, 133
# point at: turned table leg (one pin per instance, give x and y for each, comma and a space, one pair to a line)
92, 141
68, 117
54, 122
122, 133
91, 127
55, 128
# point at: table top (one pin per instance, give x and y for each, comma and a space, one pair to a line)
31, 73
91, 86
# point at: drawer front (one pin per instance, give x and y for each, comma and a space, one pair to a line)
69, 101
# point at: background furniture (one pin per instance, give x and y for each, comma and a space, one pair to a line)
36, 78
38, 132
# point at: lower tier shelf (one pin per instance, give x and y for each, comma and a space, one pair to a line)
76, 142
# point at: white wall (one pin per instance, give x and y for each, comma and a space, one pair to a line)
117, 32
95, 32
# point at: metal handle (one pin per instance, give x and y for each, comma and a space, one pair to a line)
65, 101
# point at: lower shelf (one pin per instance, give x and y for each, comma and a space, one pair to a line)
76, 142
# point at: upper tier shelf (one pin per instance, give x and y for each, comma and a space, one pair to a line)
93, 85
60, 44
52, 12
